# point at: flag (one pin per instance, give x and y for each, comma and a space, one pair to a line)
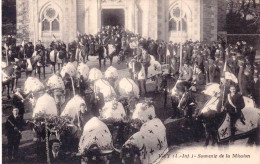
53, 36
231, 76
228, 74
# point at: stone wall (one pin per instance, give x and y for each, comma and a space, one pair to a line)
161, 19
222, 7
81, 16
196, 20
209, 21
22, 16
206, 17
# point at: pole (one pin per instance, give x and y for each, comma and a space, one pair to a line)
7, 60
34, 39
47, 143
181, 40
224, 83
72, 82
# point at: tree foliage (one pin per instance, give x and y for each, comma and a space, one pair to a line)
243, 16
8, 11
8, 17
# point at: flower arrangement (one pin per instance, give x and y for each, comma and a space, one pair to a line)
54, 123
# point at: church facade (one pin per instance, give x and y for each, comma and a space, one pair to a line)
170, 20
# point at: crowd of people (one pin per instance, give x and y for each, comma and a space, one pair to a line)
201, 62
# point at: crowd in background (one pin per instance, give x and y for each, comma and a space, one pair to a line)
203, 62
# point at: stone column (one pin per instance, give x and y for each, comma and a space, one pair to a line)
136, 17
87, 5
99, 10
73, 20
153, 19
162, 20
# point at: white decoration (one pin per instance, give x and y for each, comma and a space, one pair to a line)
45, 104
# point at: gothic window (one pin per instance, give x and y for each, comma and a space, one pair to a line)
177, 20
55, 25
50, 20
45, 25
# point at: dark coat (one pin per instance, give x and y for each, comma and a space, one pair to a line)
92, 48
238, 101
100, 52
11, 131
212, 71
29, 49
246, 85
217, 75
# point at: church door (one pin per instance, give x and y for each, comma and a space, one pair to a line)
113, 17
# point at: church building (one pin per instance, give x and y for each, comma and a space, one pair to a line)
169, 20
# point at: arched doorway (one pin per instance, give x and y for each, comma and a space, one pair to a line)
113, 17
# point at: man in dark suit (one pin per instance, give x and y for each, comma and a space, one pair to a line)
234, 105
246, 84
13, 126
101, 56
39, 46
55, 154
29, 49
212, 70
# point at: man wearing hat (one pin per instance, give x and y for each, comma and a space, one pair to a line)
186, 72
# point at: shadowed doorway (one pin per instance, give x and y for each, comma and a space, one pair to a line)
113, 17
